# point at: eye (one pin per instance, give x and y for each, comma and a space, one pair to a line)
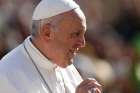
75, 34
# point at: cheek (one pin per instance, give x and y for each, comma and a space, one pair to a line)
69, 43
64, 44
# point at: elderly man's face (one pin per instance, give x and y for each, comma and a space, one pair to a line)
70, 36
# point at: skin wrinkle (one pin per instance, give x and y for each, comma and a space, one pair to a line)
61, 38
61, 42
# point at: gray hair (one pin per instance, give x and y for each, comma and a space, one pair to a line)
37, 24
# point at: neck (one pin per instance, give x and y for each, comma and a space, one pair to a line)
38, 44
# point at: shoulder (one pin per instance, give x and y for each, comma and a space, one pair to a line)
13, 54
13, 59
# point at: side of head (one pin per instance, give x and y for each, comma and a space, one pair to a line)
61, 36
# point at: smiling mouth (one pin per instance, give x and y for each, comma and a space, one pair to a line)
74, 51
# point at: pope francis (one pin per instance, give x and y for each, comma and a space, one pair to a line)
43, 62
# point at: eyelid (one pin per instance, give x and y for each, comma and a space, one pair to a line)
75, 34
78, 33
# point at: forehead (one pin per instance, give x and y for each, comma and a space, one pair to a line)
73, 20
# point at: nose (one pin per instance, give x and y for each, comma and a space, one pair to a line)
81, 42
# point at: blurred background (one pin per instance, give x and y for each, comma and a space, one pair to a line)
112, 52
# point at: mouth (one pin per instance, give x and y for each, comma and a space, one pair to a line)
74, 51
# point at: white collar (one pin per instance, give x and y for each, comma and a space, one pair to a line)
37, 56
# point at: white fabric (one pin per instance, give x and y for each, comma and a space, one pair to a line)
49, 8
19, 75
81, 61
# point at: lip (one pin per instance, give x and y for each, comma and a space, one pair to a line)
74, 50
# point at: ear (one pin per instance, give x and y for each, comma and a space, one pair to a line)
45, 31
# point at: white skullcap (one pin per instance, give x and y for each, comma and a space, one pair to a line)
49, 8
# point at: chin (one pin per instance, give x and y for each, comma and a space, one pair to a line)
68, 62
71, 56
66, 65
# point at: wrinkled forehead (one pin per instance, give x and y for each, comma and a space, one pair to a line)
75, 15
79, 16
73, 20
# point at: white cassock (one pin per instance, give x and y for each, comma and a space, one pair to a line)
21, 70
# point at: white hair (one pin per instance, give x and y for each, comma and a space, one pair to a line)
37, 24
